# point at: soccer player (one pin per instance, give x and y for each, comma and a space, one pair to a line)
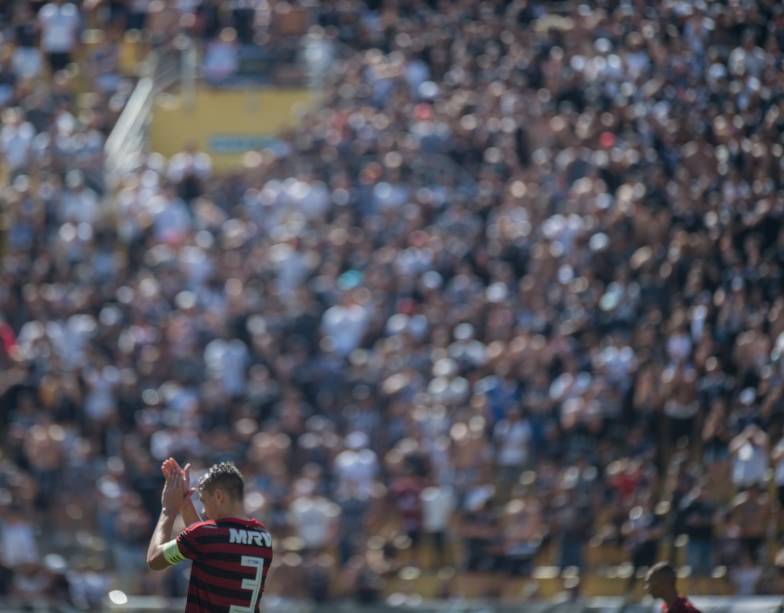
231, 554
660, 583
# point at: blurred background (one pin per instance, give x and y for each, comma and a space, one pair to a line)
483, 297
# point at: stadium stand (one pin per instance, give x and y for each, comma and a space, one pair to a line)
500, 317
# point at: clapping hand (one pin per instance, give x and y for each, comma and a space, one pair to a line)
173, 495
170, 468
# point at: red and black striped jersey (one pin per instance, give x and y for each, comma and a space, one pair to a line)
681, 605
231, 559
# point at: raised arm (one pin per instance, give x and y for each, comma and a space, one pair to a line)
159, 551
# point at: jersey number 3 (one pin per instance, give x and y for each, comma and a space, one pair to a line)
251, 584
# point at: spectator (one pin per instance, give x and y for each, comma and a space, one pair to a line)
27, 61
572, 525
80, 203
315, 519
6, 580
778, 469
189, 170
406, 494
523, 532
344, 324
479, 530
60, 25
643, 531
368, 586
104, 63
18, 540
438, 505
746, 576
513, 441
8, 79
356, 467
773, 577
750, 515
697, 518
222, 58
16, 139
750, 457
137, 14
353, 512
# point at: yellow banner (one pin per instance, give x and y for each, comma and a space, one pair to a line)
225, 123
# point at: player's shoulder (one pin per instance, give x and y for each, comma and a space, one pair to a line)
683, 605
256, 524
201, 526
250, 523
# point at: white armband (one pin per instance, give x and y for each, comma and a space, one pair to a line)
172, 554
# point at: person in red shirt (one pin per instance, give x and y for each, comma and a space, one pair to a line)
660, 583
231, 553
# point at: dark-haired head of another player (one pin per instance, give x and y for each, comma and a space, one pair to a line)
222, 491
661, 584
660, 581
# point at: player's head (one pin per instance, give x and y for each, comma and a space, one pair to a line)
222, 490
660, 580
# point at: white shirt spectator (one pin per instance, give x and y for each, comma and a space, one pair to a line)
80, 205
187, 6
417, 72
196, 264
414, 260
76, 334
750, 465
637, 63
311, 198
59, 27
345, 325
438, 504
315, 200
313, 519
514, 441
16, 139
618, 362
227, 361
100, 402
745, 579
18, 543
139, 6
747, 61
221, 60
162, 443
290, 265
389, 196
187, 163
27, 62
778, 452
358, 467
172, 220
88, 588
88, 149
679, 347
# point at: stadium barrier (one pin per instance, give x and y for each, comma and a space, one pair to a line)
707, 604
118, 601
127, 142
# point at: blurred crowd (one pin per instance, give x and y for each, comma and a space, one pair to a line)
575, 340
